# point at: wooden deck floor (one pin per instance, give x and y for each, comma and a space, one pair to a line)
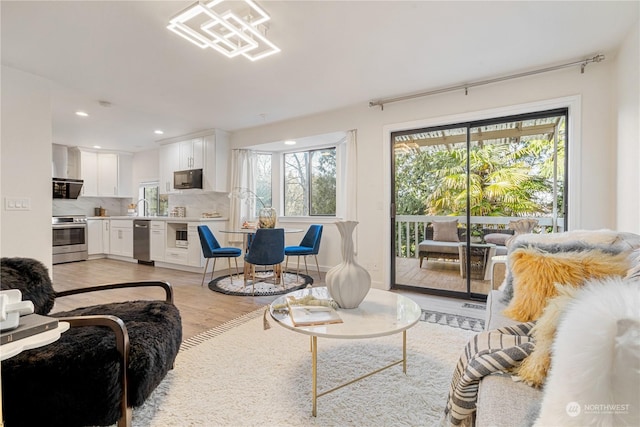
441, 275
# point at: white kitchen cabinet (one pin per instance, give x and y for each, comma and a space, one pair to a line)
194, 255
106, 236
208, 151
192, 154
169, 162
89, 172
106, 174
121, 240
158, 241
216, 164
98, 236
94, 236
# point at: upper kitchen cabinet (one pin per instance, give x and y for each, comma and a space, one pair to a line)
106, 174
192, 153
169, 162
208, 151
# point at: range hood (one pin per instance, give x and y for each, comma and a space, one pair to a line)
66, 188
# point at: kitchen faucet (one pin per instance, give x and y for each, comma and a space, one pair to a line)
138, 205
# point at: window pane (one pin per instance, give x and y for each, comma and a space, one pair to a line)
296, 194
263, 180
323, 182
151, 196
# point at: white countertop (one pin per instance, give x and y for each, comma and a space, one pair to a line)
161, 218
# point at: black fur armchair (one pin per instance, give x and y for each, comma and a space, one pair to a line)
109, 361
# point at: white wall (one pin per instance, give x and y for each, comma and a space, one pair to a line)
597, 159
26, 151
628, 131
146, 166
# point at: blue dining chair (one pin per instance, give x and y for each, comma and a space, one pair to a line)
310, 245
211, 249
267, 248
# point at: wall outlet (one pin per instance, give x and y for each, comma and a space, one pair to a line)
17, 204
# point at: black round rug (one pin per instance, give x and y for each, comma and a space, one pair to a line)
263, 285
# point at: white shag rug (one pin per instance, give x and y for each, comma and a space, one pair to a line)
242, 375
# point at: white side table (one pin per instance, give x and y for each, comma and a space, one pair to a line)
34, 341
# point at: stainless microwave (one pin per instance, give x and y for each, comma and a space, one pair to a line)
191, 178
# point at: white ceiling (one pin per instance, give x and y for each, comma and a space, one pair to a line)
334, 54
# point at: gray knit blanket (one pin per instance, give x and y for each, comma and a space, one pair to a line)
497, 350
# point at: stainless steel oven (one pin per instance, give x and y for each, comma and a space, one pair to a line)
69, 238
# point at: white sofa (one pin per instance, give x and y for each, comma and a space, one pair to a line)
502, 402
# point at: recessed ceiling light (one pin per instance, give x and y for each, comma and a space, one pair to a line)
290, 142
82, 114
158, 132
97, 146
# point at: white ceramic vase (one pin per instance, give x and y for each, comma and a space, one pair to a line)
348, 283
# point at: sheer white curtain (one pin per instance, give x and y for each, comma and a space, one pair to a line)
242, 167
351, 177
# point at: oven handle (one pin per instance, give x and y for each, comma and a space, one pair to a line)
76, 225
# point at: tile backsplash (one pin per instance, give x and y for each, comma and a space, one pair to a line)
86, 205
195, 204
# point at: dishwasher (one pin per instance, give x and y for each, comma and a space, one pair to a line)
141, 241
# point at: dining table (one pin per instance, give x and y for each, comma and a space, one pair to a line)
247, 234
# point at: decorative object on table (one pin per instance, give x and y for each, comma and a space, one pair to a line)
212, 249
262, 285
311, 314
310, 245
85, 363
348, 283
266, 215
11, 308
30, 324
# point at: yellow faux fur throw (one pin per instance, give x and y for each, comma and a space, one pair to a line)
533, 369
535, 274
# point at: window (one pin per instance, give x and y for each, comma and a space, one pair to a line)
263, 180
152, 204
310, 183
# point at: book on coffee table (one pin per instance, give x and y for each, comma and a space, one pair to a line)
310, 315
29, 325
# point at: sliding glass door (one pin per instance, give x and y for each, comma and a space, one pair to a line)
459, 188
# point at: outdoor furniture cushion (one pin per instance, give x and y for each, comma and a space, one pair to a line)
445, 231
497, 238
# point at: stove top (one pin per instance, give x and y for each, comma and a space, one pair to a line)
65, 219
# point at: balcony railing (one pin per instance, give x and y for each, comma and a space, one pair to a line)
410, 229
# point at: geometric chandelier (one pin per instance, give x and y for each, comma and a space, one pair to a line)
232, 28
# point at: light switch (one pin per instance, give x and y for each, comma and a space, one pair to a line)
17, 203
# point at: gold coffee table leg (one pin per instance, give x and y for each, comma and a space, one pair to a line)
404, 351
314, 374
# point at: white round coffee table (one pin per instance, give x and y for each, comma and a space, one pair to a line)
381, 313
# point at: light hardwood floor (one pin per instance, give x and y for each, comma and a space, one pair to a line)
201, 309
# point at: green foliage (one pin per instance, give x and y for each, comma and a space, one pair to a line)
512, 178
